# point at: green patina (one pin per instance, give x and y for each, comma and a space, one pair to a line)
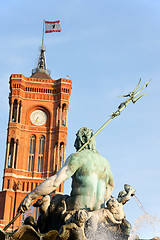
92, 174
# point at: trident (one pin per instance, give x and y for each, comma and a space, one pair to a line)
131, 97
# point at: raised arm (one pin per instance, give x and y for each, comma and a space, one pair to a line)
49, 185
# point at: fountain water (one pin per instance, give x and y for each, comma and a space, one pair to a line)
140, 204
144, 219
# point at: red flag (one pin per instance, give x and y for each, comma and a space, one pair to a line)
52, 26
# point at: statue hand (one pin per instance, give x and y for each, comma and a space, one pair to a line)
129, 189
25, 204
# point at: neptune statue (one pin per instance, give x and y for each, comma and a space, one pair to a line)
83, 211
92, 180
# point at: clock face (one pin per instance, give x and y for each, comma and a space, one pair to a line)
38, 117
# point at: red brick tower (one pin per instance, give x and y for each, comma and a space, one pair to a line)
37, 135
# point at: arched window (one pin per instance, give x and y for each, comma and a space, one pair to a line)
14, 113
62, 152
16, 153
64, 115
58, 115
19, 114
31, 153
55, 157
40, 154
10, 157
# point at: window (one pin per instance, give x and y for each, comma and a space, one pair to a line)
27, 186
40, 154
14, 113
10, 157
64, 115
23, 187
8, 183
31, 153
62, 152
19, 114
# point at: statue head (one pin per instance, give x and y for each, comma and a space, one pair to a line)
112, 204
82, 136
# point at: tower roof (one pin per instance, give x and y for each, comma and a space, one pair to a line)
40, 75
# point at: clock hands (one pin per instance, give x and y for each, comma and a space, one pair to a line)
37, 119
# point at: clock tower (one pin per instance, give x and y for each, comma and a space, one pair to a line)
36, 137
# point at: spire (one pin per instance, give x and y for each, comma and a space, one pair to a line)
41, 66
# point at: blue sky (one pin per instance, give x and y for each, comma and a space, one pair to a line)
105, 47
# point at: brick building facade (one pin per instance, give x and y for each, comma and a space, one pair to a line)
36, 138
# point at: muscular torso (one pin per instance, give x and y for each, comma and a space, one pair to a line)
90, 180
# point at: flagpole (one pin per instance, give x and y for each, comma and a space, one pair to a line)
43, 35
